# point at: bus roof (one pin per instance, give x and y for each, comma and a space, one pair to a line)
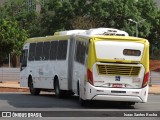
111, 37
98, 33
47, 38
70, 32
106, 31
95, 37
94, 31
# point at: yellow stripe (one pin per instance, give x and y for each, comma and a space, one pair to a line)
47, 38
92, 55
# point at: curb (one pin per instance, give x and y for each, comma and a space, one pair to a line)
154, 93
13, 89
18, 89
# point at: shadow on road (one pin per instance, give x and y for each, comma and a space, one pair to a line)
95, 104
108, 105
25, 100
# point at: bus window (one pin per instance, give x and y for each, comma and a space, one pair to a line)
80, 52
46, 49
32, 51
62, 50
53, 50
39, 51
24, 59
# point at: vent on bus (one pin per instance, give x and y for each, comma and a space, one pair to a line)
118, 70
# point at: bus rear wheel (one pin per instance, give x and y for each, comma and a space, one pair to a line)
33, 91
81, 101
128, 103
58, 92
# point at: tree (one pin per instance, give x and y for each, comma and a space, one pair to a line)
12, 38
84, 14
56, 16
22, 12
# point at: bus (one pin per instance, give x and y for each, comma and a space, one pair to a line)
96, 64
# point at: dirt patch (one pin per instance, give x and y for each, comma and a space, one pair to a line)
155, 65
7, 89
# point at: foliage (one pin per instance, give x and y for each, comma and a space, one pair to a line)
12, 38
68, 14
58, 15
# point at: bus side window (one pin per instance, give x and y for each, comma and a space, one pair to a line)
86, 46
62, 50
53, 50
32, 51
24, 59
46, 49
80, 52
77, 52
39, 51
83, 52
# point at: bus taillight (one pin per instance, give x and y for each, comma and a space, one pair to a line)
90, 77
146, 79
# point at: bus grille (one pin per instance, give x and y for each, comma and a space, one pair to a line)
118, 70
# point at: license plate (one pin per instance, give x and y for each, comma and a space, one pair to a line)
117, 85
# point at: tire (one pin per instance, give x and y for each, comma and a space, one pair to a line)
68, 93
78, 88
33, 91
81, 101
128, 103
58, 92
131, 103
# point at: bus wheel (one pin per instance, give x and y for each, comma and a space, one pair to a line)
128, 103
81, 101
131, 103
58, 92
33, 91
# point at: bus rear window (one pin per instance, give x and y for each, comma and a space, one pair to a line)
131, 52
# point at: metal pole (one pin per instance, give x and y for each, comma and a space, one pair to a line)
136, 22
136, 29
9, 60
150, 80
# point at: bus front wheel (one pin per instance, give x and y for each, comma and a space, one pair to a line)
33, 91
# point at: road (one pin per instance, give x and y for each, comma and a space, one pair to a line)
48, 102
155, 78
22, 102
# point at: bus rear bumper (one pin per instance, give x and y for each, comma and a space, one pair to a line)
116, 94
117, 98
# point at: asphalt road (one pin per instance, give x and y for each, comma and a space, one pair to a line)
154, 78
24, 102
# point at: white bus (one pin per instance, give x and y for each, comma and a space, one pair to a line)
96, 64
